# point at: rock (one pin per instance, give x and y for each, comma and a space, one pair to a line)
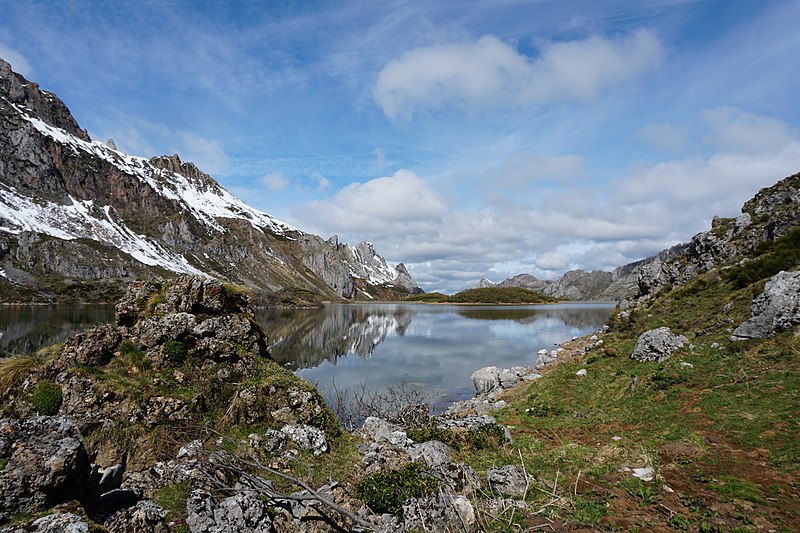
582, 372
61, 523
657, 344
144, 517
306, 437
46, 464
243, 512
380, 431
467, 422
776, 309
94, 347
440, 512
486, 380
157, 330
274, 440
118, 499
509, 479
433, 453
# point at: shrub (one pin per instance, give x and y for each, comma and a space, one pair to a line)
47, 397
771, 258
385, 492
175, 351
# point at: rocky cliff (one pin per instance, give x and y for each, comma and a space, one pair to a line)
768, 216
77, 217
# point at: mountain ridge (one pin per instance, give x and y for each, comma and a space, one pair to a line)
767, 216
78, 214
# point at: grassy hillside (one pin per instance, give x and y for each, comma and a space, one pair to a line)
489, 295
718, 422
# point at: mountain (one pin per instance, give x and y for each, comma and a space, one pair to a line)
78, 217
771, 214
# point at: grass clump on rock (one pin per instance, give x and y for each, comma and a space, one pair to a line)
47, 398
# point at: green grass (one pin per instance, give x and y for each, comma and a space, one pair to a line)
173, 499
747, 391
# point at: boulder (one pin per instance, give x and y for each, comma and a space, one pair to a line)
144, 517
657, 345
775, 310
94, 347
244, 511
486, 379
380, 431
509, 479
306, 437
60, 523
433, 453
440, 512
46, 464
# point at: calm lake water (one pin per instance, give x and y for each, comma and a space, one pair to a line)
436, 347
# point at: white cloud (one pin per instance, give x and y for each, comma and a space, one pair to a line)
275, 181
402, 199
489, 72
18, 61
732, 129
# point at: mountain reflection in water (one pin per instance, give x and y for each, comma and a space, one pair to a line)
436, 347
26, 328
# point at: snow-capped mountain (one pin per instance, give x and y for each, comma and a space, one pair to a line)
78, 216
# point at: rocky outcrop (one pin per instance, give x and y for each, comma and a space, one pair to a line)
657, 345
769, 215
353, 271
45, 464
244, 511
774, 310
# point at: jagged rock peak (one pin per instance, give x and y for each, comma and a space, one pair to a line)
485, 284
45, 105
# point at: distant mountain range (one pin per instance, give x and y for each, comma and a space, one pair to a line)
771, 214
78, 217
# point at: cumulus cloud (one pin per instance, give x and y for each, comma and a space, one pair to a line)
19, 63
275, 181
400, 200
489, 71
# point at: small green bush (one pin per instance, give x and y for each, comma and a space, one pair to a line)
385, 492
47, 397
175, 351
3, 463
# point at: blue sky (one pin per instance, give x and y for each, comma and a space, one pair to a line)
465, 138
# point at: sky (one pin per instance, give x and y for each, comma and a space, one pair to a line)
467, 139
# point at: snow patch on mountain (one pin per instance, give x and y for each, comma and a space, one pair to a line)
205, 202
82, 219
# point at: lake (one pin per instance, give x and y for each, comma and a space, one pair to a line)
434, 347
